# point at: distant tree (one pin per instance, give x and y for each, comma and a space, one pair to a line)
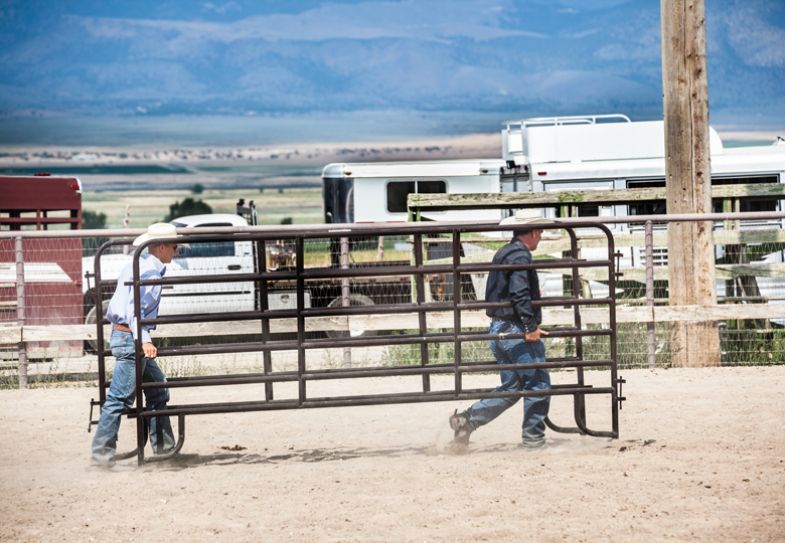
92, 220
197, 188
286, 220
189, 206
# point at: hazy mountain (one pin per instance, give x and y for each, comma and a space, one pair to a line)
536, 57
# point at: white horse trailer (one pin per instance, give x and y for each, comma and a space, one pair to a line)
377, 191
597, 152
610, 152
607, 152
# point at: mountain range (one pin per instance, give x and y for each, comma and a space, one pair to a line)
244, 57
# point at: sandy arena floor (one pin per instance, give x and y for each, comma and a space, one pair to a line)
701, 458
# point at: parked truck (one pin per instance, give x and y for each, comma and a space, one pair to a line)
237, 257
194, 259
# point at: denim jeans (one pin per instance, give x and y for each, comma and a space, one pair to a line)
122, 392
516, 351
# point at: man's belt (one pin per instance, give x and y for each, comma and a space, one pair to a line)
121, 328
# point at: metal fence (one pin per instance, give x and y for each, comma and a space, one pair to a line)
424, 321
48, 295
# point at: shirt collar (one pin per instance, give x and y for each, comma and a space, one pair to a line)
157, 264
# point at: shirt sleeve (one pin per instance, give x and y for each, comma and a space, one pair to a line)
520, 293
149, 298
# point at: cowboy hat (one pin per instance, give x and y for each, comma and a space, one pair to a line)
159, 230
526, 218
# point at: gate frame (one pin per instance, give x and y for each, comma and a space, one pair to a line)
418, 269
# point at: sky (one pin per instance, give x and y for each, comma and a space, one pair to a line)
492, 58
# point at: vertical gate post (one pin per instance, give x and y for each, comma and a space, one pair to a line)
20, 309
263, 302
345, 301
651, 340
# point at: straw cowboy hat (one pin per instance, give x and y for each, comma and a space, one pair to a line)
526, 218
159, 230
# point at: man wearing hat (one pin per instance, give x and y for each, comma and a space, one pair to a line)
124, 329
519, 287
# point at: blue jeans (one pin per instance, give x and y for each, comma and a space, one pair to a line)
122, 392
516, 351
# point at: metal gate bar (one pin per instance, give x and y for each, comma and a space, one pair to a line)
376, 399
379, 371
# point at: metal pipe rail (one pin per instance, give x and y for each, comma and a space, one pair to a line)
377, 371
338, 230
420, 308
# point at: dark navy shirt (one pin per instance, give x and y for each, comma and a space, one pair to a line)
519, 287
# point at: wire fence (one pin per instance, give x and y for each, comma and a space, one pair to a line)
49, 298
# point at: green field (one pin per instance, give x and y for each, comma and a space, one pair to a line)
143, 207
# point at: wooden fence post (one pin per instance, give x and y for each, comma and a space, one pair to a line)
688, 178
20, 309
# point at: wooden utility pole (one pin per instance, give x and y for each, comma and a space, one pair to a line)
688, 178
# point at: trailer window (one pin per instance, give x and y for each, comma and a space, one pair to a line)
398, 191
206, 249
588, 210
338, 196
646, 208
746, 204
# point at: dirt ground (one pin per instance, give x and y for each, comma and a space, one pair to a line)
701, 458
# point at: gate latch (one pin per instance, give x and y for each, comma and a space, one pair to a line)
620, 398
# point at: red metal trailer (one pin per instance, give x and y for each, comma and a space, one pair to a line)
52, 292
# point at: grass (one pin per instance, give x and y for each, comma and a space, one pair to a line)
739, 348
438, 353
748, 347
745, 347
144, 207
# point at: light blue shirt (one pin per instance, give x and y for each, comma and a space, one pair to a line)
121, 307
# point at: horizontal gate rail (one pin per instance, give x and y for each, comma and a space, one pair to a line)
379, 371
376, 399
444, 337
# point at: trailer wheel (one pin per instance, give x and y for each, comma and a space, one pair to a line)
354, 300
90, 318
